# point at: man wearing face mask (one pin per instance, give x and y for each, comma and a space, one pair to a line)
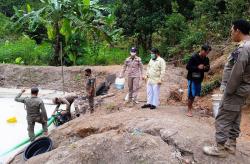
155, 74
134, 67
90, 88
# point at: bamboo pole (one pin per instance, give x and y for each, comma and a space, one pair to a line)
61, 54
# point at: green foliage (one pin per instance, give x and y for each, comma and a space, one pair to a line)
64, 19
192, 39
186, 58
25, 51
180, 37
216, 16
19, 60
100, 32
6, 6
210, 86
142, 18
185, 8
5, 32
107, 56
174, 29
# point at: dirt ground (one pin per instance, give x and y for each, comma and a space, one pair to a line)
119, 133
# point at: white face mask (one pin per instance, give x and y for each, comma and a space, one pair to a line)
132, 53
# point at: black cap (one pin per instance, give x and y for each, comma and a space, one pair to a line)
34, 90
133, 49
206, 47
88, 70
155, 50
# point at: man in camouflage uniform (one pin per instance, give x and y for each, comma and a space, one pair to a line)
68, 100
134, 67
90, 88
236, 88
35, 111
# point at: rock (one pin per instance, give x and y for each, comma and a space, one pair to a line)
2, 78
176, 95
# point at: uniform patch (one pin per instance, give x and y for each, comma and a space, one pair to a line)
234, 56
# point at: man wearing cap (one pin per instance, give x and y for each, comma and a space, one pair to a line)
35, 111
68, 101
155, 75
134, 67
197, 65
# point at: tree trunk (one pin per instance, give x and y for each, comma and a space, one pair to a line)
149, 41
56, 57
145, 41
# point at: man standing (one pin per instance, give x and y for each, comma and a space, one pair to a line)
236, 87
134, 67
155, 74
90, 88
197, 65
35, 111
68, 100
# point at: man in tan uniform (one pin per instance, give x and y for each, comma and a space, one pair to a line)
90, 88
134, 67
236, 88
68, 100
35, 111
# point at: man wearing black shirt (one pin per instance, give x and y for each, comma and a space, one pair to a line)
197, 65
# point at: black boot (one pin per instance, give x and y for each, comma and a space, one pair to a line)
152, 107
146, 106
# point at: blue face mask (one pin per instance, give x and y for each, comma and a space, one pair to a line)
153, 56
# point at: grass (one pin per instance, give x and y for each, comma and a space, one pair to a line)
25, 51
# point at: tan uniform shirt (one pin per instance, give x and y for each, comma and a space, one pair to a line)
91, 85
156, 70
34, 106
134, 67
68, 100
236, 77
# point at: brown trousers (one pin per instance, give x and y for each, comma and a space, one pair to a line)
31, 124
227, 125
91, 103
133, 87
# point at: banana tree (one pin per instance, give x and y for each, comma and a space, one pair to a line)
64, 19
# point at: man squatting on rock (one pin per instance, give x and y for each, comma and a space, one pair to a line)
68, 100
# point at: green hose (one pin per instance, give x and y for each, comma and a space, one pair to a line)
26, 140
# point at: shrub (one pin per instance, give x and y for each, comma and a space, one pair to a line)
25, 51
106, 56
208, 87
186, 58
192, 39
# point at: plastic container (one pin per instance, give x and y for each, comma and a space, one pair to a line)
39, 146
126, 97
11, 120
216, 98
119, 83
